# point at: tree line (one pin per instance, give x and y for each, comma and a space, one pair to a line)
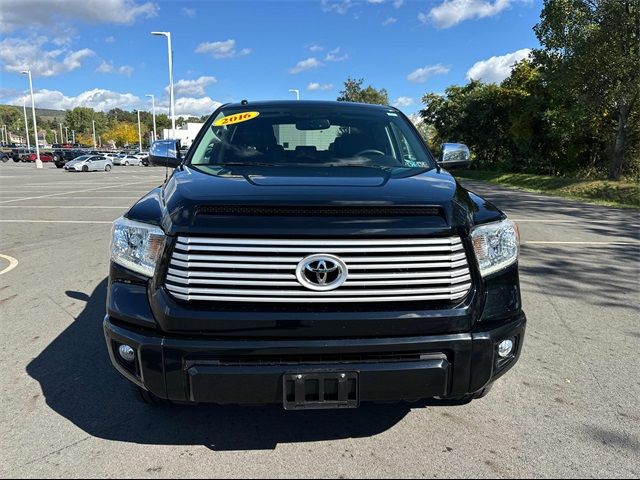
571, 108
116, 126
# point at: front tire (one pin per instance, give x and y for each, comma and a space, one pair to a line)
126, 164
107, 168
85, 168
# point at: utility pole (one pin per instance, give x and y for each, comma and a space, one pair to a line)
26, 123
35, 124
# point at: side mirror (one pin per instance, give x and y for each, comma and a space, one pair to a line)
455, 155
165, 153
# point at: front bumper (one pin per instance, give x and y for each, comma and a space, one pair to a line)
187, 369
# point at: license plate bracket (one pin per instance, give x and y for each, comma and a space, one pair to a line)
320, 390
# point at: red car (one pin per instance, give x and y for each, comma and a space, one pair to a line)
45, 157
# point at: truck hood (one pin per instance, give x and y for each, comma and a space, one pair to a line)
191, 202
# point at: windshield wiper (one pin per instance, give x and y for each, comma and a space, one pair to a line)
246, 164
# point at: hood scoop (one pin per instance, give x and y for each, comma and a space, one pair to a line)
355, 181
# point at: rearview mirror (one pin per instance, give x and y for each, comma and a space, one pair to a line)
313, 124
455, 155
165, 153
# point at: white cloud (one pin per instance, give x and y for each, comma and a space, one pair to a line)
189, 12
16, 53
398, 3
195, 107
110, 39
316, 47
340, 6
315, 86
108, 67
334, 56
421, 75
401, 102
104, 100
452, 12
226, 49
308, 64
195, 87
389, 21
20, 13
98, 99
375, 1
496, 69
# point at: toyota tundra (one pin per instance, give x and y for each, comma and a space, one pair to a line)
312, 255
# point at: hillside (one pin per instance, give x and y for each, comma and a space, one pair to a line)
44, 113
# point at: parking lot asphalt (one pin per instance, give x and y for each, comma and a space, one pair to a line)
570, 408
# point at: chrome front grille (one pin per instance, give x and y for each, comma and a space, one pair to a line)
263, 270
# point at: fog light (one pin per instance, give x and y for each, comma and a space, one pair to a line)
127, 353
505, 348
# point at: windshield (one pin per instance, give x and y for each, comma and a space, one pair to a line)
316, 136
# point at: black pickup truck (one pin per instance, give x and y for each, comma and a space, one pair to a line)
312, 255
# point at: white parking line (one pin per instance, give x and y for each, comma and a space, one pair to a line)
73, 207
71, 192
58, 221
13, 263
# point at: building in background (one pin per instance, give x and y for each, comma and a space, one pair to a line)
186, 133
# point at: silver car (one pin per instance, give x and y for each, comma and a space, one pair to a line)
89, 163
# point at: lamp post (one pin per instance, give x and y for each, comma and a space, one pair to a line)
153, 111
33, 111
95, 146
297, 92
4, 134
55, 136
171, 99
61, 133
73, 136
26, 123
66, 137
139, 134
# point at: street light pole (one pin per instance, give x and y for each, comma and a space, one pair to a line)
172, 105
94, 134
55, 136
73, 136
33, 111
153, 110
66, 137
4, 133
61, 133
139, 134
297, 92
26, 123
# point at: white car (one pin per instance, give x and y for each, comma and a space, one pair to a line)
89, 163
128, 160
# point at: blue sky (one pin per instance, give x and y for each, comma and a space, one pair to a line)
101, 54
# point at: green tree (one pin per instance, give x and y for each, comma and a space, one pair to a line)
353, 92
591, 58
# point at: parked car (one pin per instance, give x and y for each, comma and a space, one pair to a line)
312, 255
64, 155
89, 163
127, 160
18, 154
44, 157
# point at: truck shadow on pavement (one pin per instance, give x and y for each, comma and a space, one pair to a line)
79, 383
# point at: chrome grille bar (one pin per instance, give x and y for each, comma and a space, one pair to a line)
263, 270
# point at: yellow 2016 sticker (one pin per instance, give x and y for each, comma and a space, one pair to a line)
237, 118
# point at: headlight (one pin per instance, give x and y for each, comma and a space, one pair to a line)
136, 246
496, 245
